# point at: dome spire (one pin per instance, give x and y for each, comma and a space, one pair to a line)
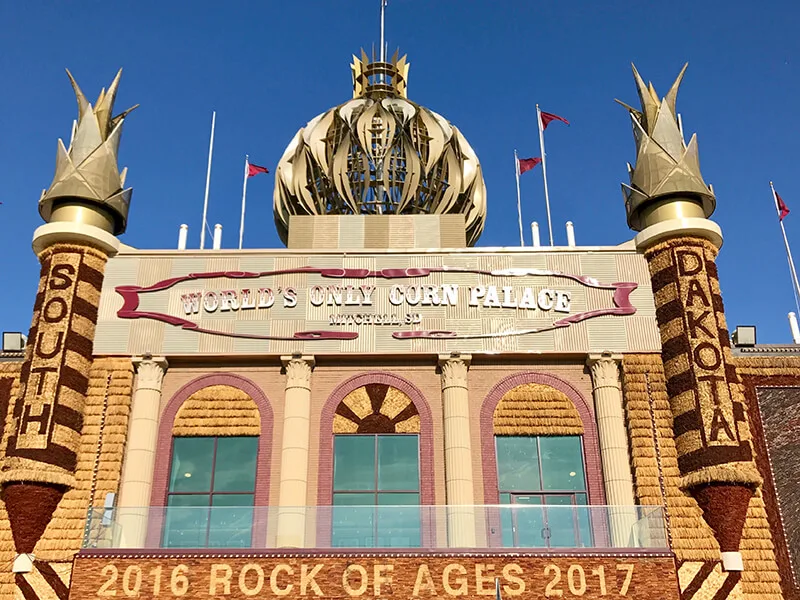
384, 3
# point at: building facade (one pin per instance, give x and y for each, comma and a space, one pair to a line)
382, 409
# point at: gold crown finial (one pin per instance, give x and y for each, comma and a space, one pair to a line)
88, 180
376, 78
666, 181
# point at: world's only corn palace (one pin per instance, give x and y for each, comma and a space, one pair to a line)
382, 409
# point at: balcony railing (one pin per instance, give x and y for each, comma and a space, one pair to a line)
513, 526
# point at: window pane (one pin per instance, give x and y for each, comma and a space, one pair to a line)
562, 463
399, 523
398, 462
231, 521
517, 463
353, 521
561, 520
235, 470
186, 521
354, 462
191, 464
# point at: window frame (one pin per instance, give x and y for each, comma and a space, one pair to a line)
427, 455
543, 493
160, 482
210, 494
376, 491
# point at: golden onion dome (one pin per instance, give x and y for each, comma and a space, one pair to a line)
380, 154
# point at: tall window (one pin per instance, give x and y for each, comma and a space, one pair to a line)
542, 478
375, 477
211, 492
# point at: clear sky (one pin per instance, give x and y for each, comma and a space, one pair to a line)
269, 66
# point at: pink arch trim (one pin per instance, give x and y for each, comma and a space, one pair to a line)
591, 446
158, 495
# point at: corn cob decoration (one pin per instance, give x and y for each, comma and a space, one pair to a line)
85, 207
668, 202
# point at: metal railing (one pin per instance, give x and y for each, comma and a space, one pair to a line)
513, 526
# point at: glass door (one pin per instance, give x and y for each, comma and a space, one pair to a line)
558, 522
528, 522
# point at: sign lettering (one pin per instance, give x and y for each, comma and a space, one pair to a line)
465, 578
352, 298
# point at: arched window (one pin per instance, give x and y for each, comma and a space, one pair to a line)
212, 477
541, 478
376, 482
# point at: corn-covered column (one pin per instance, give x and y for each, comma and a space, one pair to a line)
294, 452
140, 453
669, 204
458, 470
614, 452
85, 208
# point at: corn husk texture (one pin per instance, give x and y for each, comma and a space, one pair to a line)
654, 457
712, 434
536, 409
217, 410
48, 413
108, 402
9, 389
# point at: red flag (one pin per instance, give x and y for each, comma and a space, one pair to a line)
548, 118
782, 208
253, 170
526, 164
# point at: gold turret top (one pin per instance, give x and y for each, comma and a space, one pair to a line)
377, 79
88, 186
666, 182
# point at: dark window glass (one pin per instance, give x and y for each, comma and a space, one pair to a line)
398, 462
211, 492
542, 483
562, 463
518, 463
375, 477
192, 461
354, 462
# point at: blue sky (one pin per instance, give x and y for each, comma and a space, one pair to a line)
268, 67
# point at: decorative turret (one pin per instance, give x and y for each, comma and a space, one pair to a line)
85, 208
380, 154
668, 202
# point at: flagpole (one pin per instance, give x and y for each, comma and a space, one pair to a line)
208, 182
796, 285
244, 199
544, 172
519, 200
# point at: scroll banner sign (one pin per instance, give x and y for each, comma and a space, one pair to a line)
352, 295
358, 576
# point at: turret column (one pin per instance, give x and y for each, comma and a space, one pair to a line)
140, 453
458, 451
294, 452
614, 452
